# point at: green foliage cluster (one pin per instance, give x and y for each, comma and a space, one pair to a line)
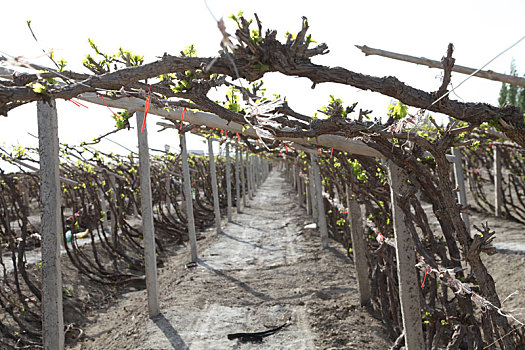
398, 110
104, 64
122, 119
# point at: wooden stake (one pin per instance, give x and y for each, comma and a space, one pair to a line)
509, 79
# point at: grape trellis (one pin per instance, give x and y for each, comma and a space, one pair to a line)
384, 165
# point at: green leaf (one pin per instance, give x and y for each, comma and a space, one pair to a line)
39, 88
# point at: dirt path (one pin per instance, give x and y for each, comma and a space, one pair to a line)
263, 269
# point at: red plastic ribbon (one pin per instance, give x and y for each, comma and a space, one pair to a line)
78, 104
425, 277
331, 153
238, 137
286, 147
146, 109
115, 114
182, 118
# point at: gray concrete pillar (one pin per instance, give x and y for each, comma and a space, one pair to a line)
51, 226
249, 178
214, 188
406, 260
315, 211
498, 188
321, 220
460, 183
358, 246
104, 207
168, 182
114, 216
188, 198
228, 184
237, 181
150, 257
243, 180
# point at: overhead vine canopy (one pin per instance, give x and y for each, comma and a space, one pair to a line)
185, 80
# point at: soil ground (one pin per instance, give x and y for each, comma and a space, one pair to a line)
263, 269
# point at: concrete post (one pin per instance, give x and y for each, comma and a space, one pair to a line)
52, 309
249, 176
114, 216
320, 202
460, 182
213, 172
358, 246
313, 198
135, 209
150, 258
406, 260
308, 199
168, 183
498, 188
237, 181
243, 181
294, 176
188, 198
255, 173
253, 168
104, 208
228, 183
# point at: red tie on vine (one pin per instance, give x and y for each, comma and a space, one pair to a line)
331, 153
146, 109
115, 114
76, 103
425, 277
238, 137
182, 118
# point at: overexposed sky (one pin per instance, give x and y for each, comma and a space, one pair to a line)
479, 30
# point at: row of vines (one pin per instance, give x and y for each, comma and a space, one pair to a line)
102, 237
452, 316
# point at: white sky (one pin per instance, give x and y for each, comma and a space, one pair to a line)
479, 30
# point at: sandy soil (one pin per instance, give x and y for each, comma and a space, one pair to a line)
263, 269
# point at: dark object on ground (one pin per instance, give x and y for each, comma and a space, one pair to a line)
191, 264
258, 336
